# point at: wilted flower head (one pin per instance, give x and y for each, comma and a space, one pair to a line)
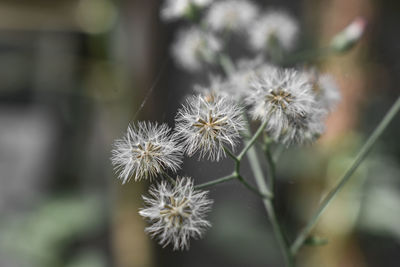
146, 151
284, 99
193, 47
173, 9
274, 26
208, 122
176, 212
326, 90
232, 15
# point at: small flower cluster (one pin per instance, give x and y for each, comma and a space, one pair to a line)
205, 124
291, 103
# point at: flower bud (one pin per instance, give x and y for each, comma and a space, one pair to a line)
347, 38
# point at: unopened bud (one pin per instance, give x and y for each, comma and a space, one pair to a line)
347, 38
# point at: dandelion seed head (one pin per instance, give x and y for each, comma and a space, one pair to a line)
176, 212
284, 99
232, 15
174, 9
146, 151
206, 124
273, 26
326, 90
218, 86
194, 47
238, 84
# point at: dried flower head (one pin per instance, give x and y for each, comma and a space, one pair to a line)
194, 47
274, 26
326, 90
239, 81
232, 15
146, 151
176, 212
174, 9
208, 122
218, 87
285, 99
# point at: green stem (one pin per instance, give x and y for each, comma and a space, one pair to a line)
216, 181
231, 154
252, 188
226, 64
271, 167
309, 55
172, 180
346, 176
268, 203
278, 232
251, 142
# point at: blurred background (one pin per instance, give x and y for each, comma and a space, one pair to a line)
74, 73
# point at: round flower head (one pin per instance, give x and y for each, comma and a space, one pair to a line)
239, 80
174, 9
146, 151
232, 15
218, 87
326, 90
275, 26
176, 213
284, 99
208, 122
193, 47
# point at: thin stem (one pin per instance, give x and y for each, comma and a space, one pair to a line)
172, 180
346, 176
258, 174
278, 232
271, 167
309, 55
216, 181
252, 188
231, 154
254, 162
250, 143
226, 64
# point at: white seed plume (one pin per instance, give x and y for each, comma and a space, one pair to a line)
326, 90
231, 15
174, 9
146, 151
207, 123
273, 26
176, 213
238, 84
194, 47
218, 87
285, 99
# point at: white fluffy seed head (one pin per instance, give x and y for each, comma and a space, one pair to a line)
175, 9
194, 47
218, 87
231, 15
326, 91
176, 212
285, 99
238, 83
273, 26
146, 151
207, 123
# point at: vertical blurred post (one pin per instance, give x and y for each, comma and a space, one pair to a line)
134, 47
350, 74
